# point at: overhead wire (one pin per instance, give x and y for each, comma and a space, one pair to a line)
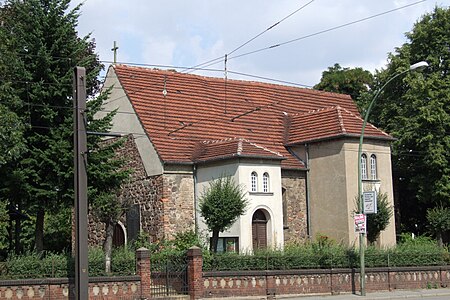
204, 68
218, 59
261, 77
271, 27
321, 32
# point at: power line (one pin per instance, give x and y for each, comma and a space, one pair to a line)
323, 31
271, 27
216, 60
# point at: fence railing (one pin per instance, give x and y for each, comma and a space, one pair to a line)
321, 261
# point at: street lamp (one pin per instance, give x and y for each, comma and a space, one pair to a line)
417, 66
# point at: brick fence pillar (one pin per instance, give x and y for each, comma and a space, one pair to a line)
143, 270
195, 272
445, 280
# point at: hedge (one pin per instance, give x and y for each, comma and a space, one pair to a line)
313, 255
50, 265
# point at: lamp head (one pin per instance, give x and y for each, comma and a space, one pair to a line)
421, 65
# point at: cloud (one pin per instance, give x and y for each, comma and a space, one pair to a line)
183, 33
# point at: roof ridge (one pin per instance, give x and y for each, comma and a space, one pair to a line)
313, 111
340, 119
368, 123
265, 149
217, 141
253, 82
240, 141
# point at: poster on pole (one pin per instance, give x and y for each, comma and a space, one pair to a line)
360, 223
370, 202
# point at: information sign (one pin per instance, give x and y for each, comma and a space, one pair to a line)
360, 223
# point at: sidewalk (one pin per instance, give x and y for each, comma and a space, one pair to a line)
397, 294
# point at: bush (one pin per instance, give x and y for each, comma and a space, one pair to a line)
52, 265
96, 261
33, 265
123, 261
325, 254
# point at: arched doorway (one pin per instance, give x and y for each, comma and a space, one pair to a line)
259, 230
118, 236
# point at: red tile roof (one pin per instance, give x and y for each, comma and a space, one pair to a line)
327, 123
228, 148
190, 118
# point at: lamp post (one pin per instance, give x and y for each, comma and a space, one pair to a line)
417, 66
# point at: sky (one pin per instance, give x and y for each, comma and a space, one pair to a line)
176, 34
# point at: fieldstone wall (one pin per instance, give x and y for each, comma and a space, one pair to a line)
142, 190
294, 202
178, 204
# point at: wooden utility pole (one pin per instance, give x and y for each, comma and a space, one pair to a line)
80, 185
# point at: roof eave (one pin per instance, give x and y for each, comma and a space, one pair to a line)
339, 136
226, 157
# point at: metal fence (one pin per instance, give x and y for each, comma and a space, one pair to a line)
324, 260
169, 276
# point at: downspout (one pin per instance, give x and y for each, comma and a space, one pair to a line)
194, 174
308, 207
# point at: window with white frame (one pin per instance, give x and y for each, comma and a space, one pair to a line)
363, 166
254, 181
373, 167
265, 182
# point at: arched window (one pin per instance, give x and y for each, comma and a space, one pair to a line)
373, 167
254, 182
265, 182
363, 166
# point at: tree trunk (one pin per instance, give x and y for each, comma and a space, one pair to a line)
107, 245
439, 239
214, 241
39, 230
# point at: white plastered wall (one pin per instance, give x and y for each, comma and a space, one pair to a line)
270, 202
126, 122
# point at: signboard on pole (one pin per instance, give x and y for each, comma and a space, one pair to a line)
360, 223
370, 202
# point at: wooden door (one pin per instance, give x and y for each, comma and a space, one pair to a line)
259, 230
118, 236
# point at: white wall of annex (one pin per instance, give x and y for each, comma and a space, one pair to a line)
270, 202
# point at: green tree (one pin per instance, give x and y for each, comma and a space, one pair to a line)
415, 109
107, 203
351, 81
220, 205
3, 225
438, 219
41, 36
379, 221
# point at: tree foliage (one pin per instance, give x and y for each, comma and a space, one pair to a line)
351, 81
40, 48
415, 109
379, 221
220, 205
438, 219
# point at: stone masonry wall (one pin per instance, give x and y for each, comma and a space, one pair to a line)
178, 204
294, 197
142, 190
